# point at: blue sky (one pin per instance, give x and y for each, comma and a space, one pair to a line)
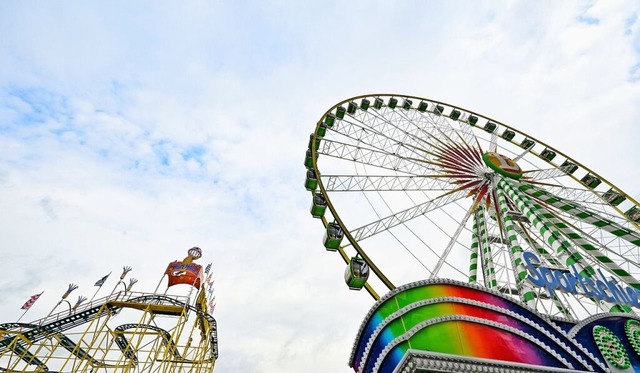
133, 131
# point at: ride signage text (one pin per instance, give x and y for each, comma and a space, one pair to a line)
570, 281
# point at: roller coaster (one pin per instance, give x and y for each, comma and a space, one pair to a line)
125, 331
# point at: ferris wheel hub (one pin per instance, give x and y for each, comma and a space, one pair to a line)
502, 165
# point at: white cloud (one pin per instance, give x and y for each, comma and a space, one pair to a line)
133, 132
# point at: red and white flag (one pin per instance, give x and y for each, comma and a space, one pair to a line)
31, 301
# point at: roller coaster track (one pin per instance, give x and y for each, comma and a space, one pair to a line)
55, 326
128, 351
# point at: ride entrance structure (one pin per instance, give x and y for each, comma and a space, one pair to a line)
123, 332
495, 252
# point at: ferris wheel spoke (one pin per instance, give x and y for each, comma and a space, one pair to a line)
466, 133
493, 145
545, 174
399, 123
376, 158
406, 215
387, 121
413, 128
450, 144
592, 247
452, 241
370, 183
386, 133
441, 146
574, 194
455, 157
376, 139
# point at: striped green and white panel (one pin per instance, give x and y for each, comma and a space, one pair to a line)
584, 214
539, 217
594, 252
473, 261
558, 243
488, 267
527, 293
544, 253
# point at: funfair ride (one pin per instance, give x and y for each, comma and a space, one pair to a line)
123, 332
496, 251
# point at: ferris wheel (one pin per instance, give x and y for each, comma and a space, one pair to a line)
409, 188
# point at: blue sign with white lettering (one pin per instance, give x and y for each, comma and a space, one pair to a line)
571, 281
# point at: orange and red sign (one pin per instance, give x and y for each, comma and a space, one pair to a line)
185, 273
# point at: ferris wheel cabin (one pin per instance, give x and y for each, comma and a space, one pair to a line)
356, 273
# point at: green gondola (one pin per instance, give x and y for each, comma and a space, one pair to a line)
548, 154
633, 214
311, 183
377, 103
508, 135
568, 167
473, 120
364, 104
330, 120
356, 273
527, 143
423, 106
613, 197
351, 108
340, 112
393, 102
455, 114
322, 130
333, 236
590, 181
308, 159
407, 104
312, 139
318, 205
438, 110
490, 127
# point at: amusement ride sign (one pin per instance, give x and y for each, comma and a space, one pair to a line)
571, 281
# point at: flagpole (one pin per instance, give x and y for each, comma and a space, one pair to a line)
24, 313
132, 281
100, 287
28, 308
94, 294
160, 283
71, 288
75, 307
125, 270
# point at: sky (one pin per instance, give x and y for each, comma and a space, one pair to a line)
132, 131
